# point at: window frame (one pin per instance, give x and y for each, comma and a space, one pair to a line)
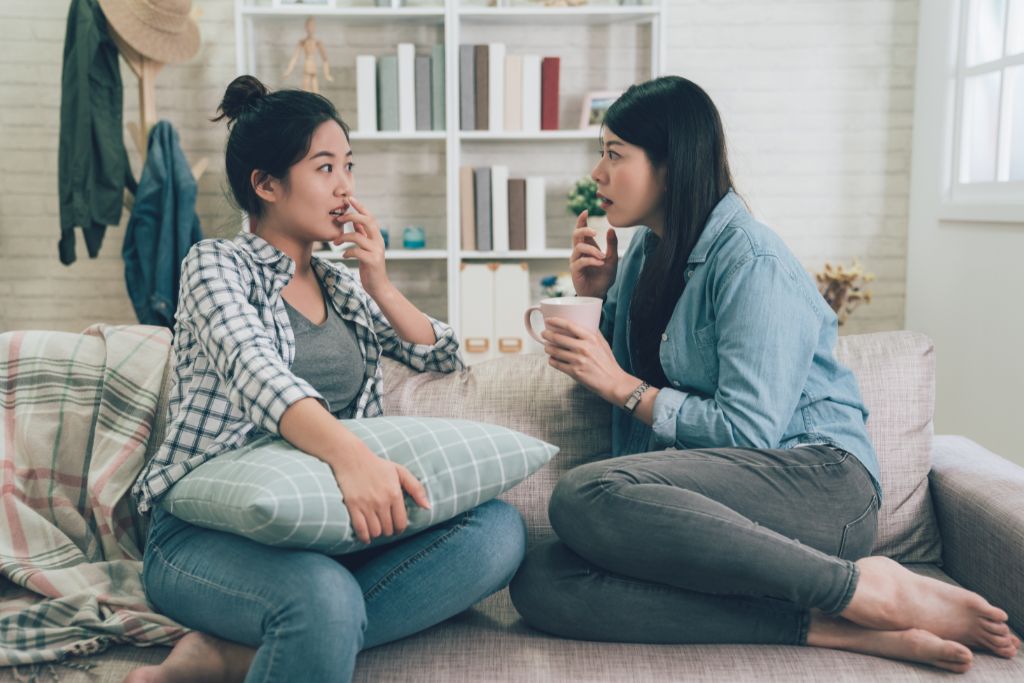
990, 201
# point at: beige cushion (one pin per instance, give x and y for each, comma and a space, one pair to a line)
896, 372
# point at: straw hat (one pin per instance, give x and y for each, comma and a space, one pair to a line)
159, 29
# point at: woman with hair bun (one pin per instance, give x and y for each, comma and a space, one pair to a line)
273, 340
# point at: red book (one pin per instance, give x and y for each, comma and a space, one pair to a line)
549, 93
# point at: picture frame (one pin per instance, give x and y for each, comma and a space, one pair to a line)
595, 104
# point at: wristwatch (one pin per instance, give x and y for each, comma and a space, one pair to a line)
634, 399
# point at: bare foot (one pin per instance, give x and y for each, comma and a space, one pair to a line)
890, 597
912, 645
198, 658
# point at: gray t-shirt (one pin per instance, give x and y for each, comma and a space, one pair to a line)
328, 357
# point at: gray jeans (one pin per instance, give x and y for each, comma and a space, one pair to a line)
723, 545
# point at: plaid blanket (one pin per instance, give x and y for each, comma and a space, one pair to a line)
75, 418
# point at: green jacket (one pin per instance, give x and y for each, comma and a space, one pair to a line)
92, 162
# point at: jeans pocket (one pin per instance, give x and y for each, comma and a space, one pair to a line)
859, 535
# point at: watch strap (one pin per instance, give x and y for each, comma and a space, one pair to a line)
634, 398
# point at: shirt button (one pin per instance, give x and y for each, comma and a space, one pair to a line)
664, 337
675, 383
689, 274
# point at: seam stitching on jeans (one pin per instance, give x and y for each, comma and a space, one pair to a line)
711, 461
206, 582
393, 573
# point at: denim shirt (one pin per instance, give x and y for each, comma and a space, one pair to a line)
748, 351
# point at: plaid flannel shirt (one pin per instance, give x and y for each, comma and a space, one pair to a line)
234, 348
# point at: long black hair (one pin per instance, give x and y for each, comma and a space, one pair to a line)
677, 125
269, 132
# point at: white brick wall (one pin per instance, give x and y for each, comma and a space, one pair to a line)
816, 97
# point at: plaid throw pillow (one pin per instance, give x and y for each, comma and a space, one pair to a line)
273, 493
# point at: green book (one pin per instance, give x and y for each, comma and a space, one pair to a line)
387, 93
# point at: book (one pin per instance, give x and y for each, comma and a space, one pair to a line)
482, 87
467, 87
517, 214
482, 205
423, 94
536, 237
406, 87
467, 208
366, 93
437, 91
499, 208
496, 86
549, 93
531, 93
387, 93
513, 92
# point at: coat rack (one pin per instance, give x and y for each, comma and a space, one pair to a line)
146, 70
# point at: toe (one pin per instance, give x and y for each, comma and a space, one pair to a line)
956, 667
955, 652
995, 627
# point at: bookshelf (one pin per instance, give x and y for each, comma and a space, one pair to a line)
260, 25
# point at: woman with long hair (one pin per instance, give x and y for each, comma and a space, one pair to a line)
743, 502
272, 339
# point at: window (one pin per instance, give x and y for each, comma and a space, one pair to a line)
988, 147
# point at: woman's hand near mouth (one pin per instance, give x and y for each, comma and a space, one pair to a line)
593, 272
367, 247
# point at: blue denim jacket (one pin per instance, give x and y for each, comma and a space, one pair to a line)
748, 351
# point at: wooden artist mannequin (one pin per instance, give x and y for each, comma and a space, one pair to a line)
308, 48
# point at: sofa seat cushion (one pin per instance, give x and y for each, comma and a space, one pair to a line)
491, 643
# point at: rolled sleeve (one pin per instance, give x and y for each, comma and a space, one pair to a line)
441, 356
667, 405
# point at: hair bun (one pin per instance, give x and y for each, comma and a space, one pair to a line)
242, 94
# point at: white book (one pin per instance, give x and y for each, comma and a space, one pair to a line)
499, 208
531, 93
476, 312
536, 233
514, 92
406, 87
366, 92
496, 86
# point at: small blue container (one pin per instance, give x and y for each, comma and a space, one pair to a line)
414, 237
385, 235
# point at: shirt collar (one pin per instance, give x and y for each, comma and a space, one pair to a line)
265, 253
721, 215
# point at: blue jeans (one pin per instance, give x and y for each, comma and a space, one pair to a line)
308, 614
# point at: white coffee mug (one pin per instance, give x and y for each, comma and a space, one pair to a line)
582, 310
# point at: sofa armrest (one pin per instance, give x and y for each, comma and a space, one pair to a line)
979, 503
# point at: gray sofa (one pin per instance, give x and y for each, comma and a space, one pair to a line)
952, 510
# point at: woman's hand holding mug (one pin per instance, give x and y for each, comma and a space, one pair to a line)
593, 272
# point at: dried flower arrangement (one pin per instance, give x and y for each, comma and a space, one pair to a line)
844, 289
